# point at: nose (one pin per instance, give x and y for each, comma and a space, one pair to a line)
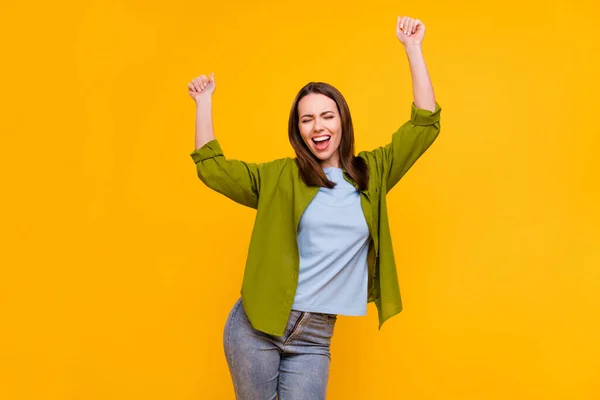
318, 125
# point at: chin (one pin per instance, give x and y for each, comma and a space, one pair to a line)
321, 156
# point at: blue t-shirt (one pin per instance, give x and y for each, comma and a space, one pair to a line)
333, 240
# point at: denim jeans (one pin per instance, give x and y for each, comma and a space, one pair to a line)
294, 366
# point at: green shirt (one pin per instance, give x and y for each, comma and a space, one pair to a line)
279, 195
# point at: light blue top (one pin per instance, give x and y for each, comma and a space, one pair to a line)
333, 240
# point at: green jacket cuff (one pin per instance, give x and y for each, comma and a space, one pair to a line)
420, 116
209, 150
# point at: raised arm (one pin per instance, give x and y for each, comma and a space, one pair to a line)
411, 32
238, 180
415, 136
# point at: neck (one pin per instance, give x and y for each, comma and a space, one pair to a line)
333, 161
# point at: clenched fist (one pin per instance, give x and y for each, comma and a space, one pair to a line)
202, 86
410, 31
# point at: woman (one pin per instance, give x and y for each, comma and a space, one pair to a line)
321, 243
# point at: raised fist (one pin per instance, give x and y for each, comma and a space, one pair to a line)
202, 86
410, 31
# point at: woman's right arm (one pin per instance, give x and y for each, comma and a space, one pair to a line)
238, 180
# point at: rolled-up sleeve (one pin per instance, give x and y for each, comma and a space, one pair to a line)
238, 180
408, 143
209, 150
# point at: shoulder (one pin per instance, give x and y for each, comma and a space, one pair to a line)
368, 156
278, 165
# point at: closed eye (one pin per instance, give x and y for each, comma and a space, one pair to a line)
308, 120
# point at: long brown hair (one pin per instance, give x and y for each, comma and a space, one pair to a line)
311, 171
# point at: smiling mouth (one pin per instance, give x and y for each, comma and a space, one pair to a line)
322, 142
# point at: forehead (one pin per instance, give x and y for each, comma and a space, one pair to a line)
316, 102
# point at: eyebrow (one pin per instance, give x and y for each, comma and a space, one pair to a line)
310, 115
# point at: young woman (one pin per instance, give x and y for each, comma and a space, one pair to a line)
321, 243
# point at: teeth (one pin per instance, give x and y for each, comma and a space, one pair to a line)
320, 139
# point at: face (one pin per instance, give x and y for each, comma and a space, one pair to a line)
321, 127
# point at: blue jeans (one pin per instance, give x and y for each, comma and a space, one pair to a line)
294, 366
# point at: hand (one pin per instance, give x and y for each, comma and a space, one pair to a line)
202, 86
410, 31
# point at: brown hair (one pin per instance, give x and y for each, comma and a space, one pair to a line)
311, 171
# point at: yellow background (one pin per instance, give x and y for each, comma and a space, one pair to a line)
119, 267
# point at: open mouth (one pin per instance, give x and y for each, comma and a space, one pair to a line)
322, 142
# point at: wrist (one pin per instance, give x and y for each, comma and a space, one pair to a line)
202, 101
413, 49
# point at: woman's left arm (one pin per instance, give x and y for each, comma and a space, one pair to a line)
411, 32
415, 136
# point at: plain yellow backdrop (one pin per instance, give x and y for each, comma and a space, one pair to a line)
119, 267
